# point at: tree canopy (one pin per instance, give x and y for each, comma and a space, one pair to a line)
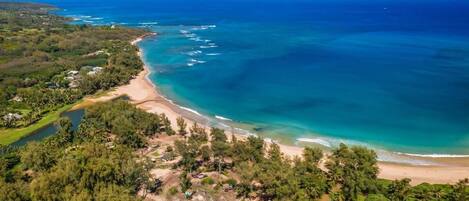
46, 63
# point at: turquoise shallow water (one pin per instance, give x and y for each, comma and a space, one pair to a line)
388, 74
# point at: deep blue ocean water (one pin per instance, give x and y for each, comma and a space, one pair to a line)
389, 74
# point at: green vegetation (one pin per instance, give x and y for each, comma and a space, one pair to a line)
104, 158
257, 170
181, 126
47, 64
172, 191
96, 162
127, 124
208, 181
9, 136
32, 7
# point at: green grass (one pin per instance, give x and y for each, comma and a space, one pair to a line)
24, 111
8, 136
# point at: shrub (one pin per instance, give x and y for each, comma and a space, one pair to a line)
169, 148
376, 197
207, 181
172, 191
231, 182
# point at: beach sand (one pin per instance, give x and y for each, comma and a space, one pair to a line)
145, 95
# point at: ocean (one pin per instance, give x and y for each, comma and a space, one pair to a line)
391, 75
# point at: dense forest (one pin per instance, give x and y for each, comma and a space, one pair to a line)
46, 63
103, 160
87, 164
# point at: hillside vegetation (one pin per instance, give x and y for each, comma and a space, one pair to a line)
46, 63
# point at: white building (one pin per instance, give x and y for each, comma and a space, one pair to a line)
97, 69
12, 117
72, 73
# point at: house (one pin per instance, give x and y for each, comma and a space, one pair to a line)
97, 69
99, 52
17, 99
72, 73
93, 70
73, 84
12, 117
72, 76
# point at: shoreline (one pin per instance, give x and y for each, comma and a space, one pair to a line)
145, 95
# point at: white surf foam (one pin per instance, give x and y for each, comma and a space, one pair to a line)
386, 156
197, 39
195, 61
199, 28
434, 155
222, 118
148, 23
79, 17
190, 110
193, 53
213, 54
203, 27
316, 141
209, 46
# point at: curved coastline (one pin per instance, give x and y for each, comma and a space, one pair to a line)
315, 138
420, 168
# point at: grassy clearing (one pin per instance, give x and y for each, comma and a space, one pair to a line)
8, 136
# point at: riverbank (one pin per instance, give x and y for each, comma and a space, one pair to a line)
143, 93
9, 136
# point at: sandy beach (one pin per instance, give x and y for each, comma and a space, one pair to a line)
145, 95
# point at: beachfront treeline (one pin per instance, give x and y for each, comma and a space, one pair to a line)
101, 160
47, 63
